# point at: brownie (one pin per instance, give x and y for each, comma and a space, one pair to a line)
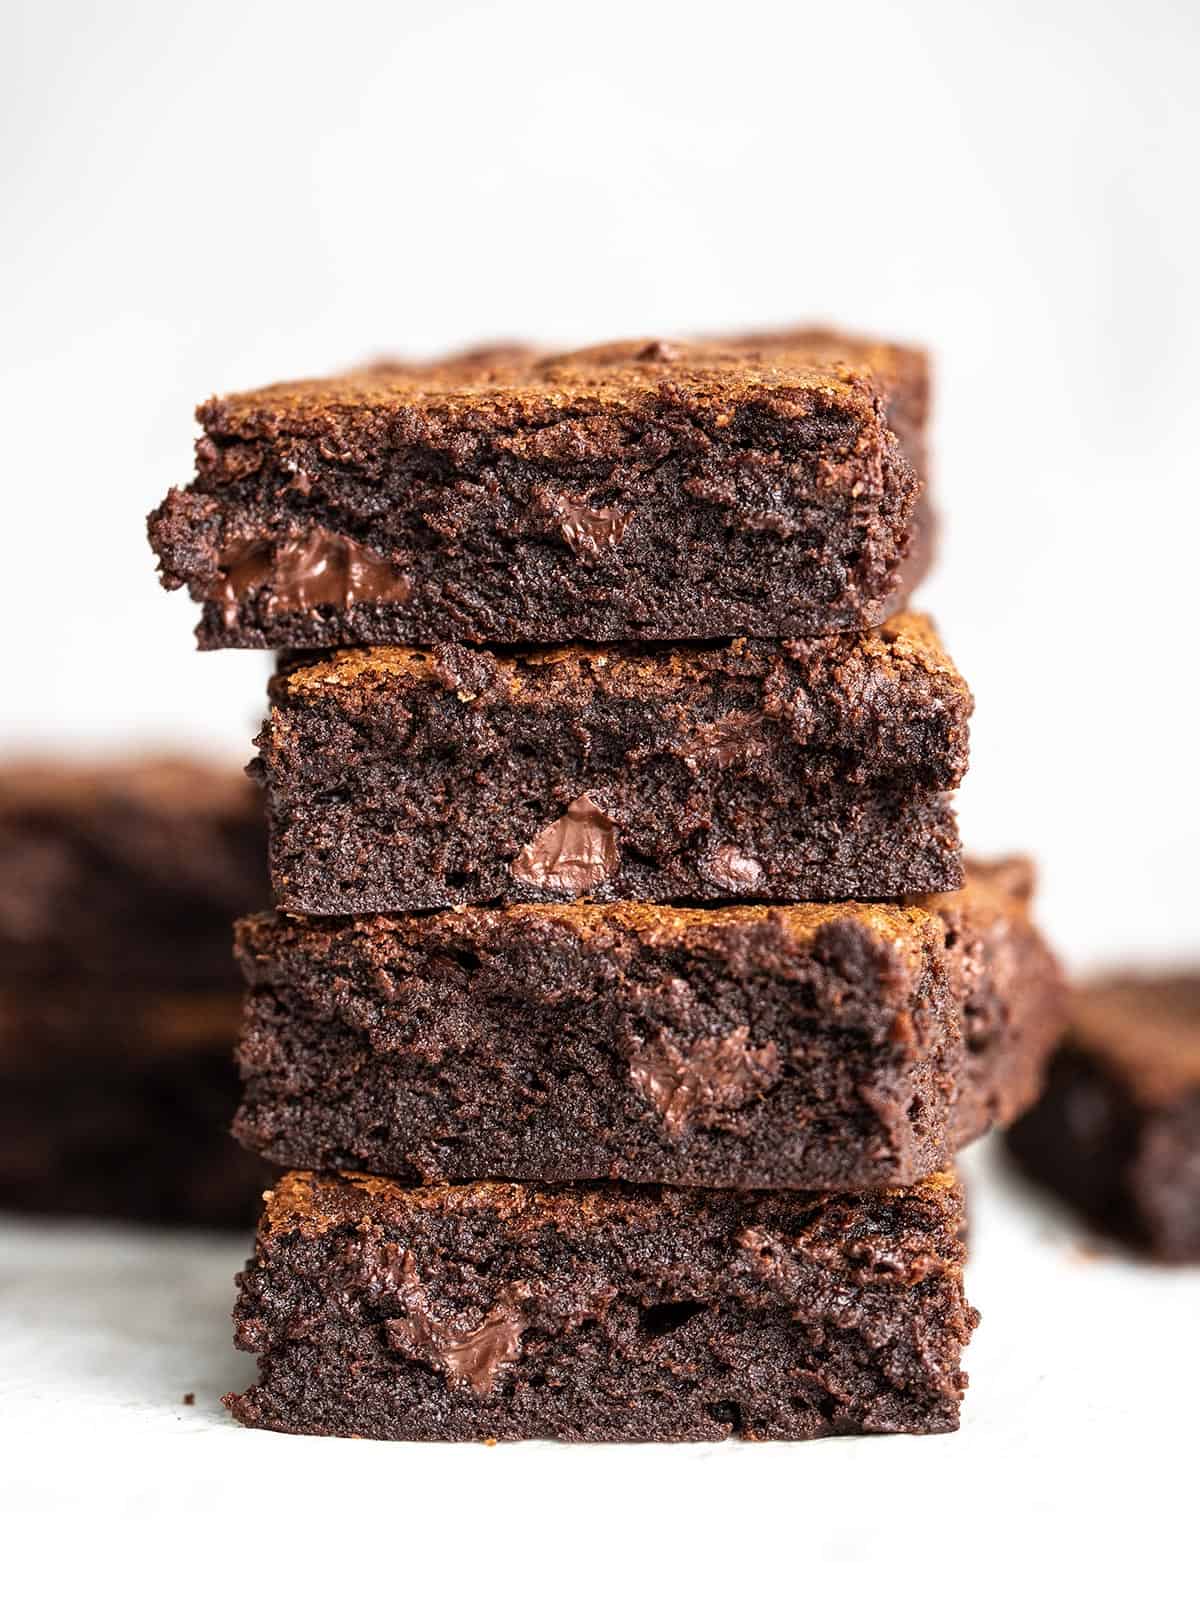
494, 1311
130, 871
399, 779
809, 1047
762, 485
118, 1105
1117, 1133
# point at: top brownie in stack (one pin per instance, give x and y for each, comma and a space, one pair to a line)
760, 486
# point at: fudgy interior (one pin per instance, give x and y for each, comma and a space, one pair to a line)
605, 1313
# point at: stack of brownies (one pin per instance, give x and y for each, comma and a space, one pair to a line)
625, 1005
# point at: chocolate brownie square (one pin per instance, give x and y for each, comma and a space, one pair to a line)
404, 780
118, 1105
130, 871
497, 1311
808, 1047
763, 485
1117, 1133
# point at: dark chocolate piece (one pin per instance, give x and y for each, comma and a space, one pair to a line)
495, 1311
318, 568
402, 780
763, 485
1117, 1133
131, 872
808, 1046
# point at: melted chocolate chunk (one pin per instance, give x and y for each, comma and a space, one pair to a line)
733, 870
466, 1355
699, 1081
733, 740
575, 853
304, 570
589, 534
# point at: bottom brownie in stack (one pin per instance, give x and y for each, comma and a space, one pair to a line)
505, 1311
119, 1001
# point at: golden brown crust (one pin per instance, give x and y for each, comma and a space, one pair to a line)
907, 645
906, 927
311, 1203
546, 386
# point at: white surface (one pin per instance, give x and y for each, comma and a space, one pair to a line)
1075, 1452
203, 197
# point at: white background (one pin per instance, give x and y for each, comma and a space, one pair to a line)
200, 197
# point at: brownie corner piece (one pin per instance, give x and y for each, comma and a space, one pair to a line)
403, 779
1117, 1132
511, 496
498, 1311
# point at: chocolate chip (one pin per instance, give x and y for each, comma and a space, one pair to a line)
574, 854
698, 1080
733, 870
589, 534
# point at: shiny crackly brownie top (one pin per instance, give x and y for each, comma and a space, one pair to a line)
812, 360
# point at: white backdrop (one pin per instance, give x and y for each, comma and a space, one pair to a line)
202, 197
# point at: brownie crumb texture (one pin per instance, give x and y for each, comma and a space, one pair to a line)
408, 780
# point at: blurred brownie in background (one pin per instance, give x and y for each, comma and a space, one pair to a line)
119, 997
131, 871
1117, 1133
118, 1105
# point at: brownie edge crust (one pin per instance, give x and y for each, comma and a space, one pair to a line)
496, 1311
